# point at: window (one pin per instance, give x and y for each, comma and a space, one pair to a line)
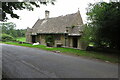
58, 37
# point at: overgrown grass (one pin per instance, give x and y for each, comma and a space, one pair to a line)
23, 39
89, 54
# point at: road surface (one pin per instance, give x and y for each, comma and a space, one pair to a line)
24, 62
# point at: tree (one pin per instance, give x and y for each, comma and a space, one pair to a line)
6, 37
9, 28
20, 32
104, 24
8, 7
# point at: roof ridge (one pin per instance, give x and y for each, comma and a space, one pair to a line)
61, 16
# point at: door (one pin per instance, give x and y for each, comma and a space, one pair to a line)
75, 42
33, 39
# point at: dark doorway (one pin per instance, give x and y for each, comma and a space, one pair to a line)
33, 39
75, 42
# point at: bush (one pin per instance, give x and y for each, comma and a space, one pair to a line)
49, 41
5, 37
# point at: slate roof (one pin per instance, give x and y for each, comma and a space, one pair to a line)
75, 31
58, 24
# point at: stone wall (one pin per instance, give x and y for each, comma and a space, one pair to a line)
42, 39
69, 41
82, 45
28, 35
61, 41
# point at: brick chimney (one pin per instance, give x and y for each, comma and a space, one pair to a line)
47, 14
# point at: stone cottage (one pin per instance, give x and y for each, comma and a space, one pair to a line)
66, 30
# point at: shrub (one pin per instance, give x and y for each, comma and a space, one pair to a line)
49, 40
6, 37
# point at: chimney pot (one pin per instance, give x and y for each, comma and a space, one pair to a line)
47, 14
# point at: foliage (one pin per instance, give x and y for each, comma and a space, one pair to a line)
87, 33
49, 40
6, 37
9, 28
20, 32
103, 25
23, 39
8, 7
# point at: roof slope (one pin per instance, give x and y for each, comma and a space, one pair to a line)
57, 24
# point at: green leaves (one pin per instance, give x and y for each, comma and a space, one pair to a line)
104, 23
6, 37
50, 40
9, 28
8, 7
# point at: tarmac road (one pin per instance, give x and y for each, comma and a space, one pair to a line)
24, 62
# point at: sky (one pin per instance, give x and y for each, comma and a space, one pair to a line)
61, 7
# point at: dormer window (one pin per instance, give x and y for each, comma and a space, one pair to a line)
66, 30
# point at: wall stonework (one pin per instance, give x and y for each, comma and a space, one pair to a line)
70, 42
28, 35
83, 45
42, 41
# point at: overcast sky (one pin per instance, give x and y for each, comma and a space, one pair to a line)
61, 7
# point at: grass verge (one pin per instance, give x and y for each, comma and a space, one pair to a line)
23, 39
95, 55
